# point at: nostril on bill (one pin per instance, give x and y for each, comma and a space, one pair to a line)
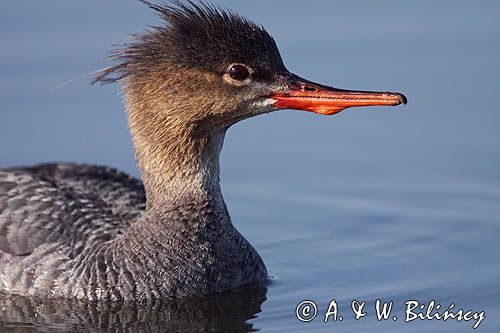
309, 89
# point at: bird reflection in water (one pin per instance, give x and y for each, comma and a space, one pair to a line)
223, 312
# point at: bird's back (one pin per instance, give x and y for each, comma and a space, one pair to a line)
50, 213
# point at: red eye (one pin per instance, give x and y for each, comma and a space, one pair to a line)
239, 72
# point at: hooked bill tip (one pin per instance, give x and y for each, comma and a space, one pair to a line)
402, 99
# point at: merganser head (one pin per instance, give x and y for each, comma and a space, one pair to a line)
210, 68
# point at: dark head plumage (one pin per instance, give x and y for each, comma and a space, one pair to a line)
209, 66
195, 34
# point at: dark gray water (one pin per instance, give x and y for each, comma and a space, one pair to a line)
394, 204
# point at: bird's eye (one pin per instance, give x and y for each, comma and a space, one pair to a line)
239, 72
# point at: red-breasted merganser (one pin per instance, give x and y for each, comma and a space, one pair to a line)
93, 233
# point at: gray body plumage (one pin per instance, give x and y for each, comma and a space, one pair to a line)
77, 231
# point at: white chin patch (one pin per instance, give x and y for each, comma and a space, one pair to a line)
265, 104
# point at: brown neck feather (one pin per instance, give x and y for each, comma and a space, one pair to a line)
176, 160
